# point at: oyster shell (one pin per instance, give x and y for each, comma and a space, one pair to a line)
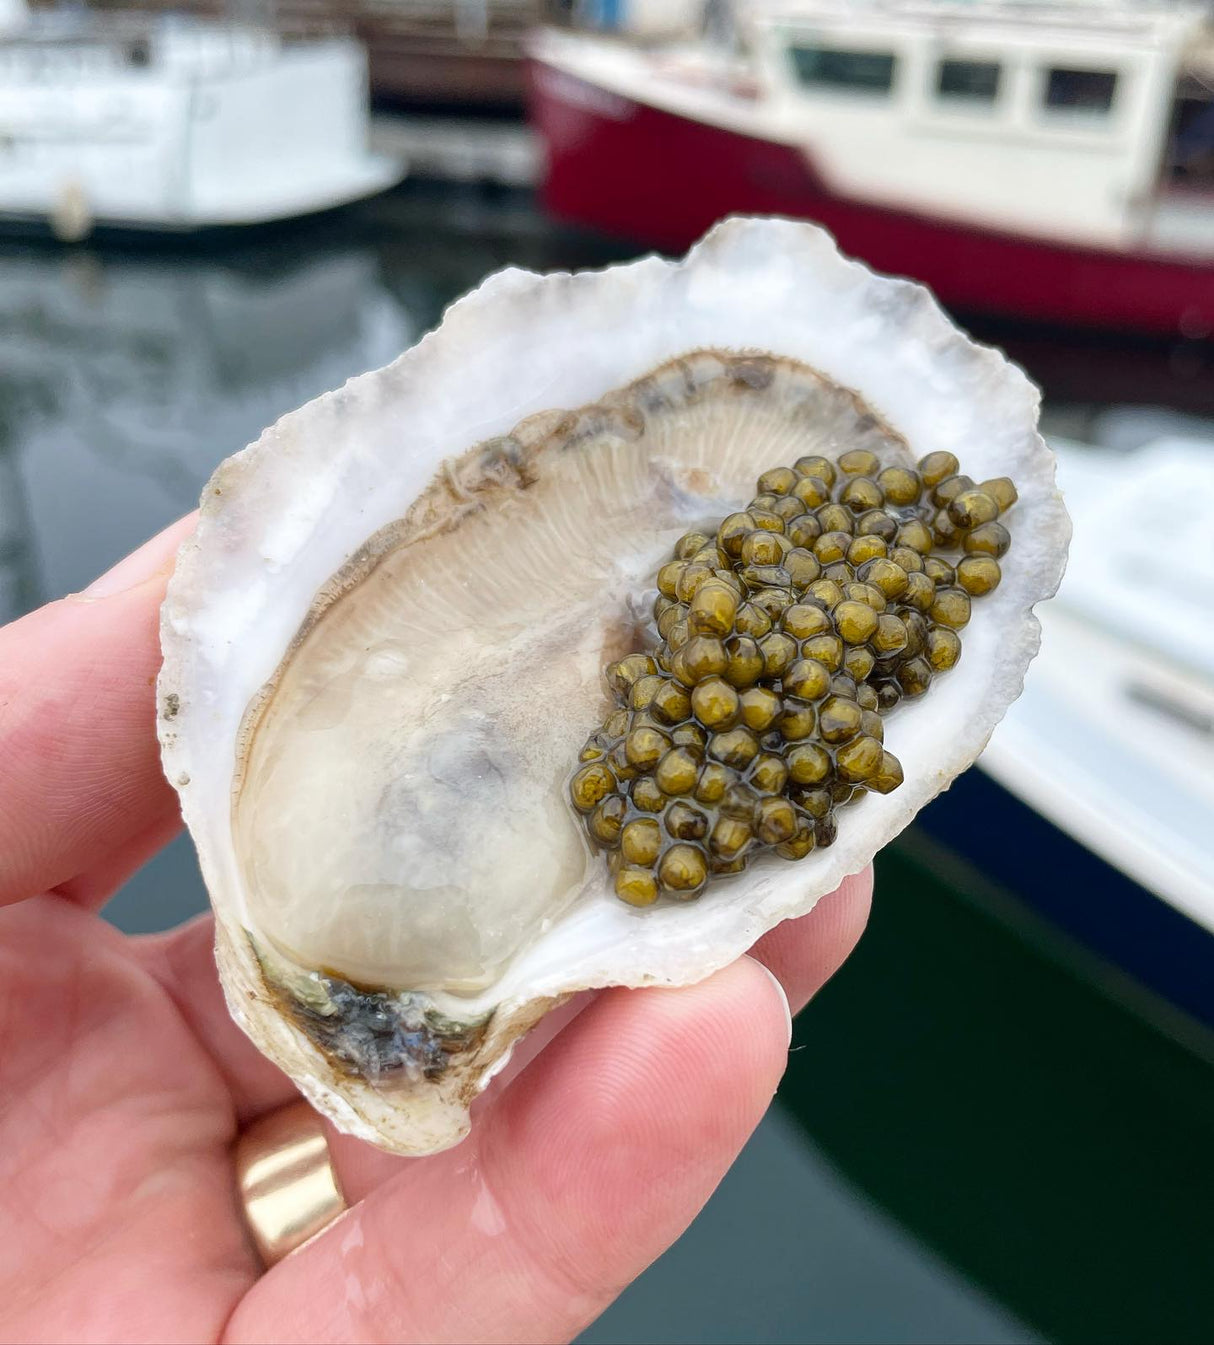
383, 645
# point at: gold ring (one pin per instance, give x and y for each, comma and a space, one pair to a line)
286, 1180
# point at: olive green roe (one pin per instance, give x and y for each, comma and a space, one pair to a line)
786, 634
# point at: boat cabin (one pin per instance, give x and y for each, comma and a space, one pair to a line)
1091, 123
168, 123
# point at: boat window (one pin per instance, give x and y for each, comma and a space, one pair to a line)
834, 68
1080, 90
974, 81
1190, 154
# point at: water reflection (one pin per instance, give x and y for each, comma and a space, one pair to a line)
125, 379
18, 587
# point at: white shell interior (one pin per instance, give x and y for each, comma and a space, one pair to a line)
284, 517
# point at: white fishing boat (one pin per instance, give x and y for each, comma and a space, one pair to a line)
425, 54
1036, 159
176, 124
1122, 755
1094, 798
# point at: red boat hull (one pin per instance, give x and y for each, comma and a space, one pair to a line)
662, 179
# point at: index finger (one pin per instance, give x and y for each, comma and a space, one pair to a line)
81, 789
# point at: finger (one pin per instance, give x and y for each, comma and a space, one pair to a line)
105, 876
362, 1167
115, 1178
586, 1169
183, 963
804, 954
80, 775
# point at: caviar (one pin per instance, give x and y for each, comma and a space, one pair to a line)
786, 634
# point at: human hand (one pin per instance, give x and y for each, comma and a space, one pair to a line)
124, 1083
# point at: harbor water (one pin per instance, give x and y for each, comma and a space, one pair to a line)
983, 1136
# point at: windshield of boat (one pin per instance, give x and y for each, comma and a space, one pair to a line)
1189, 157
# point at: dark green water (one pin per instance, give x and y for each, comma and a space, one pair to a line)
979, 1137
1035, 1130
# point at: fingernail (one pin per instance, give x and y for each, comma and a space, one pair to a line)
775, 980
153, 558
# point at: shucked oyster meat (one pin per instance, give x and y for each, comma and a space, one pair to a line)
385, 648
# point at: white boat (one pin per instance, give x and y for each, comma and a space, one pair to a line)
1121, 755
1094, 801
175, 124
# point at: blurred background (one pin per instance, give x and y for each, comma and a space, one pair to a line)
997, 1121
